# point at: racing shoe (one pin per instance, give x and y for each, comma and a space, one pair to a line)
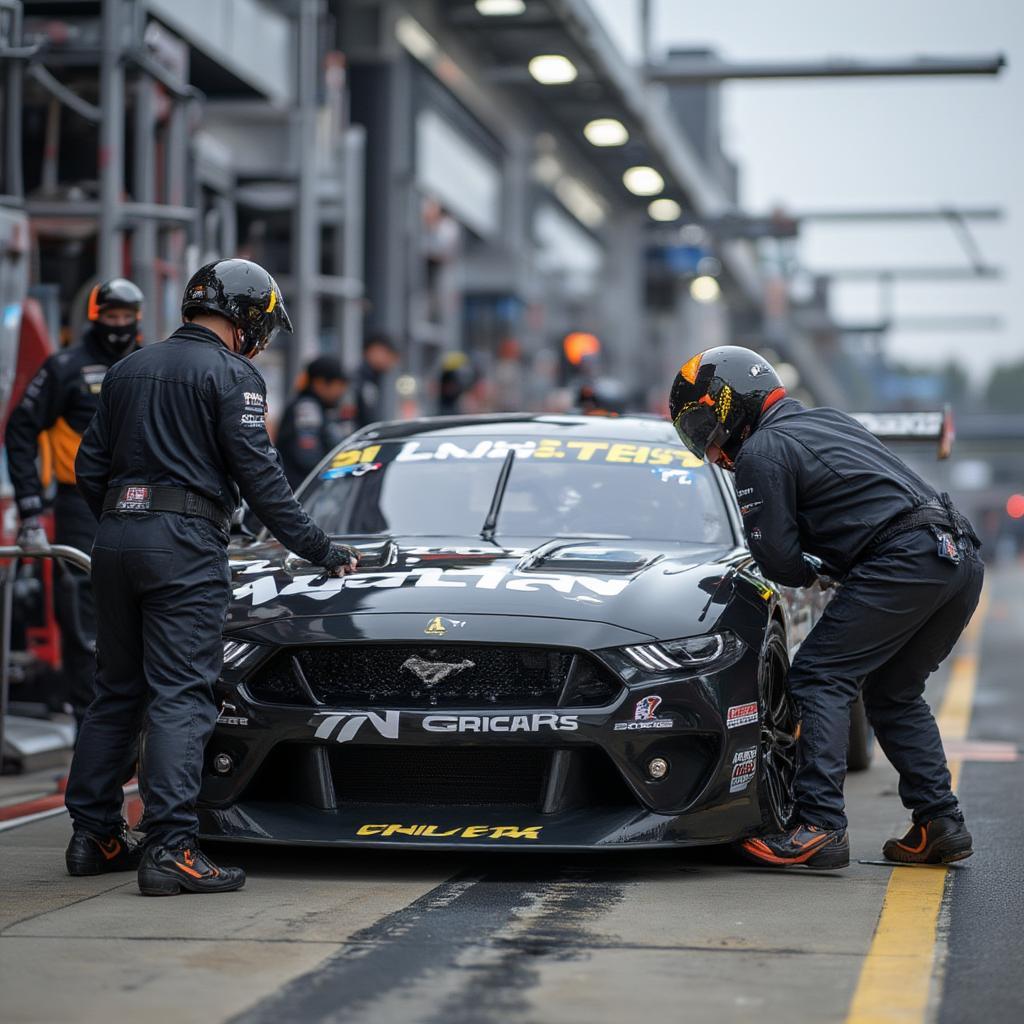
806, 845
939, 841
167, 871
89, 854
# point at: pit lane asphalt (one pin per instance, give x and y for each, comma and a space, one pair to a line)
382, 937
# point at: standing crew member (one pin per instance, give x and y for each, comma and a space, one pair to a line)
60, 402
380, 357
179, 433
309, 426
815, 482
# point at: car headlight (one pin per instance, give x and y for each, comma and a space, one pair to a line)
696, 654
236, 652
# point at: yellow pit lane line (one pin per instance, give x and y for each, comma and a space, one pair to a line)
895, 980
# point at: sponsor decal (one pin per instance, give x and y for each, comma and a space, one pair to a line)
344, 726
253, 398
680, 476
439, 626
741, 714
252, 419
134, 499
459, 832
644, 716
755, 533
228, 715
744, 492
744, 767
501, 723
750, 506
543, 448
758, 368
484, 577
360, 469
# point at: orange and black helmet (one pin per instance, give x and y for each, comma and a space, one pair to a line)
718, 397
242, 292
117, 293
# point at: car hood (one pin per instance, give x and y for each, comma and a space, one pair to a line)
551, 590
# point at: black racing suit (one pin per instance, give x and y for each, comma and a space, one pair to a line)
186, 414
307, 432
815, 481
59, 403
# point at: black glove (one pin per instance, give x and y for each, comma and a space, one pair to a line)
341, 560
32, 536
824, 582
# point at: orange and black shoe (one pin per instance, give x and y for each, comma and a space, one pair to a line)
89, 854
802, 846
939, 841
167, 871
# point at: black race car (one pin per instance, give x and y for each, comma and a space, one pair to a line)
556, 639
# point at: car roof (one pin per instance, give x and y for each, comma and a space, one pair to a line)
644, 429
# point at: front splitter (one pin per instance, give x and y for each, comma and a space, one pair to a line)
458, 828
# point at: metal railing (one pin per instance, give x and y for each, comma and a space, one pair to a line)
14, 554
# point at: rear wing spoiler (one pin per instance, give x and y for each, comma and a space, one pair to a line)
912, 426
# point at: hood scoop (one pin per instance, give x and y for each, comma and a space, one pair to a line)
375, 553
573, 556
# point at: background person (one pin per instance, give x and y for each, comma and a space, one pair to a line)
380, 358
814, 481
310, 426
59, 403
179, 433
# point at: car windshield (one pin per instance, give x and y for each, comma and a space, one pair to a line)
438, 486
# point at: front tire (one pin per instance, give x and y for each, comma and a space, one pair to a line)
777, 764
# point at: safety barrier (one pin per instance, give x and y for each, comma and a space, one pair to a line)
13, 555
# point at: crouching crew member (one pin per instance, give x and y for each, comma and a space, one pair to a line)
179, 433
60, 402
815, 481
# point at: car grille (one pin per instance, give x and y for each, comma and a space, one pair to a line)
294, 773
419, 676
409, 775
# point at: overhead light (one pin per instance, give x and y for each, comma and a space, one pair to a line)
552, 69
416, 39
705, 289
643, 181
605, 131
500, 8
664, 209
547, 169
583, 204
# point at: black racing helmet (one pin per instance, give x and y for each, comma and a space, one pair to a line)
117, 293
244, 293
718, 397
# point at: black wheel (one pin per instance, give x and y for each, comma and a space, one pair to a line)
862, 738
778, 733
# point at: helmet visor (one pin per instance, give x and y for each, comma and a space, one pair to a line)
699, 428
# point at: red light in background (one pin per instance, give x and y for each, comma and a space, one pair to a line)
1015, 506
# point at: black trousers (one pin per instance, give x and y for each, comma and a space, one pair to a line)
162, 586
890, 625
73, 602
